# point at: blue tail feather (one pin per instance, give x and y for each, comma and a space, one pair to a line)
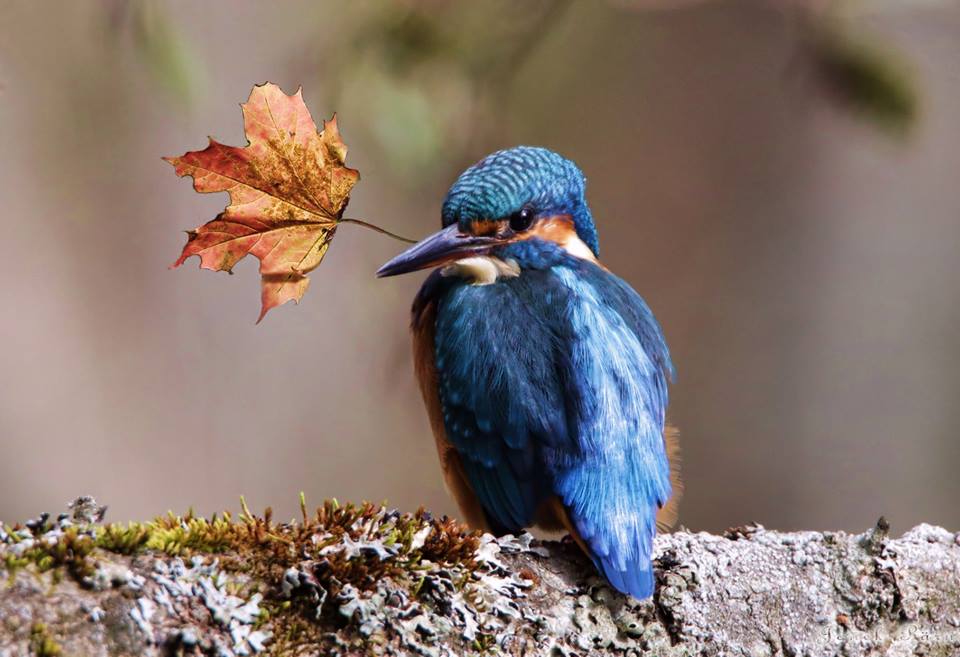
636, 579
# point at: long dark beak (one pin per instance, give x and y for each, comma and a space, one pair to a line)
440, 248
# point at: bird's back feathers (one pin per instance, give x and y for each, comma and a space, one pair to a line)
552, 384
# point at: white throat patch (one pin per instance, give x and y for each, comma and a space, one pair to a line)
578, 248
482, 270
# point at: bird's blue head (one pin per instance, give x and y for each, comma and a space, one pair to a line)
509, 196
504, 184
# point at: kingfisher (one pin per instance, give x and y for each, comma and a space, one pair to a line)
543, 373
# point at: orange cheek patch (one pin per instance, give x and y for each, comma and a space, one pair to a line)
485, 228
560, 230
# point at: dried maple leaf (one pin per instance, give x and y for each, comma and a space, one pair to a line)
288, 189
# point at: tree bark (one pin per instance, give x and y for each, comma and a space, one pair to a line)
748, 592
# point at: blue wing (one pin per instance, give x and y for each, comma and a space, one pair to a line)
616, 373
553, 383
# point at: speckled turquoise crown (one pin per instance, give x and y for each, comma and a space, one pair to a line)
507, 181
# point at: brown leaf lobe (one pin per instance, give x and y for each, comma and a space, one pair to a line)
288, 188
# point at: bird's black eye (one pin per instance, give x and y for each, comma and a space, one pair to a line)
521, 221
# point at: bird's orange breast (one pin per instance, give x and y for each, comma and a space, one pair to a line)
423, 329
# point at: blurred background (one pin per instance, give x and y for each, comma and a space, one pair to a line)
779, 179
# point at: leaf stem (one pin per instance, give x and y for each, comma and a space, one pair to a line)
361, 222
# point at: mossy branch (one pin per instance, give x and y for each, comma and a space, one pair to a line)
365, 580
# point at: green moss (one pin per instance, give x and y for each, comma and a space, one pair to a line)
484, 642
123, 539
41, 643
274, 546
265, 550
13, 563
178, 536
71, 552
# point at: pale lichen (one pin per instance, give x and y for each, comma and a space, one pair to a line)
368, 580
